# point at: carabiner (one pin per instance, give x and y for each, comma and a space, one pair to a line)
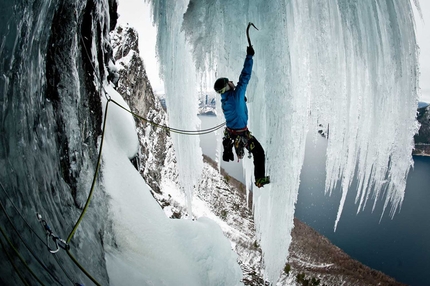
49, 233
62, 243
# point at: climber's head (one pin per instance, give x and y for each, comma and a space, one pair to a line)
222, 85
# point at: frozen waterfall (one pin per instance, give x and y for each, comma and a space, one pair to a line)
181, 93
350, 66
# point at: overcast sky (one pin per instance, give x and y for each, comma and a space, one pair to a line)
136, 13
423, 39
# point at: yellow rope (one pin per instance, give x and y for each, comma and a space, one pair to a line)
20, 258
88, 200
179, 131
94, 179
82, 268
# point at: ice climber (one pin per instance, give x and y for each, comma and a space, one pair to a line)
233, 102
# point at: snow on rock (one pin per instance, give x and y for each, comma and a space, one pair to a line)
132, 82
144, 246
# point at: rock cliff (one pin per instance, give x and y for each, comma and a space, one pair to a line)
422, 139
132, 82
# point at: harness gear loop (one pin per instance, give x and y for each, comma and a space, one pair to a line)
247, 32
240, 138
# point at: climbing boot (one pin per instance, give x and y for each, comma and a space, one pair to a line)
262, 181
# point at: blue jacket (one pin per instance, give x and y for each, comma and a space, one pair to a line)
233, 101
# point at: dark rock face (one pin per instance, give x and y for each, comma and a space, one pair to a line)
50, 123
69, 54
329, 263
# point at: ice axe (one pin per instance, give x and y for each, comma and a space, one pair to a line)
247, 32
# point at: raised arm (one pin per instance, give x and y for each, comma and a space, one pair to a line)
245, 75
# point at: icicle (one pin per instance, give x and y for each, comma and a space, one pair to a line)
351, 66
179, 76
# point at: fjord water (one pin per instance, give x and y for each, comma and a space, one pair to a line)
398, 247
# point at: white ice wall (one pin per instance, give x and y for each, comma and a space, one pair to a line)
349, 65
179, 76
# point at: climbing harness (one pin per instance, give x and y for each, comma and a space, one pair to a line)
59, 242
240, 140
247, 32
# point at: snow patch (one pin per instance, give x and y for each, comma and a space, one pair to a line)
146, 247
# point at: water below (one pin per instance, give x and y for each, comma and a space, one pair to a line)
399, 247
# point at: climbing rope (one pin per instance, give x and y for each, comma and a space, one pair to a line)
171, 129
23, 241
94, 178
109, 99
13, 263
69, 238
19, 256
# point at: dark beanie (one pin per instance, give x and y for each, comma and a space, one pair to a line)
220, 83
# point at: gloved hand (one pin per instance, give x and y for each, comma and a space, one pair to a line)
227, 155
250, 51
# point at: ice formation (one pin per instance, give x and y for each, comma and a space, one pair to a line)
180, 87
350, 66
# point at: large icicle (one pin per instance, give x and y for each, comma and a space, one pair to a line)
179, 75
372, 115
349, 65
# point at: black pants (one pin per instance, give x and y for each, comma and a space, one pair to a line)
243, 139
